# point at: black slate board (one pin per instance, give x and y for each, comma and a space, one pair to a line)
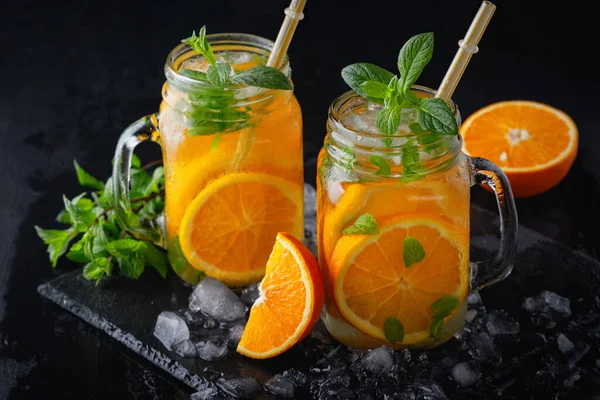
126, 310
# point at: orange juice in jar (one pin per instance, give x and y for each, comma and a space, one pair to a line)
393, 227
232, 159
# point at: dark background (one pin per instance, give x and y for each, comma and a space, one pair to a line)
74, 74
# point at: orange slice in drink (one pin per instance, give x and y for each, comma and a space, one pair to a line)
534, 144
229, 229
387, 199
371, 283
290, 302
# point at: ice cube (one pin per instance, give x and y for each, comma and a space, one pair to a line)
483, 348
328, 386
234, 335
408, 116
570, 382
244, 387
197, 319
310, 200
211, 349
470, 316
564, 344
474, 299
280, 386
497, 325
429, 390
211, 393
465, 374
364, 122
376, 361
170, 329
250, 293
547, 308
239, 57
298, 378
185, 348
215, 299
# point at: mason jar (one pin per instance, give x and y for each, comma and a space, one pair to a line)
233, 165
393, 228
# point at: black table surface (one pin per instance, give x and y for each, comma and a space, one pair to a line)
76, 73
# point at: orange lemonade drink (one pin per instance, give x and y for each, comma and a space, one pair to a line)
233, 164
393, 242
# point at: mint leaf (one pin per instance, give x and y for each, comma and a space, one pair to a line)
410, 155
176, 256
135, 162
133, 265
190, 73
412, 251
153, 185
219, 74
388, 119
93, 272
436, 328
156, 258
201, 45
364, 225
384, 167
444, 306
414, 56
215, 142
435, 115
263, 77
77, 252
393, 330
81, 218
374, 89
56, 240
416, 128
82, 203
85, 179
356, 74
124, 247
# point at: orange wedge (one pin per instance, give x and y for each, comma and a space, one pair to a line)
290, 302
534, 144
229, 229
370, 281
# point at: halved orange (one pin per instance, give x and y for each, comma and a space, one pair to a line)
290, 302
370, 281
533, 143
229, 229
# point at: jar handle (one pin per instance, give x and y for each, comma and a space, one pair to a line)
485, 273
142, 130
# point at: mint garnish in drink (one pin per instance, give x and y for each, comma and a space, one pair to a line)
366, 224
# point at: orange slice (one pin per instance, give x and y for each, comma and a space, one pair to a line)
290, 302
371, 283
229, 229
534, 144
387, 199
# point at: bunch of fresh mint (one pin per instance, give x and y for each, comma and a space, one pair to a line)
434, 116
92, 235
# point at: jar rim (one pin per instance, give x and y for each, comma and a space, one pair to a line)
252, 42
337, 107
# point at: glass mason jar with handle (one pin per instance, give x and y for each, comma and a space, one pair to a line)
393, 228
232, 160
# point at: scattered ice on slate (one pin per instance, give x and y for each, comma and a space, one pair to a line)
310, 200
250, 293
211, 393
280, 386
170, 329
501, 326
212, 297
376, 361
547, 308
211, 349
234, 335
422, 390
465, 373
298, 378
244, 387
185, 348
470, 316
483, 348
564, 344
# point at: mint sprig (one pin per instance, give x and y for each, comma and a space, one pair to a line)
368, 81
93, 236
366, 224
442, 308
221, 74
